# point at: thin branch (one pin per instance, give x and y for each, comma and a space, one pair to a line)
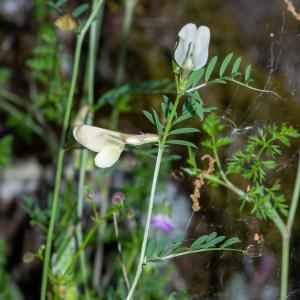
291, 8
124, 271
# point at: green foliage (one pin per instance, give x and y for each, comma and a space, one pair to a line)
4, 75
224, 76
8, 290
79, 10
254, 162
260, 152
51, 89
157, 250
213, 126
38, 216
5, 150
124, 94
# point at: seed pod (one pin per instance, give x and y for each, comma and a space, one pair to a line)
67, 23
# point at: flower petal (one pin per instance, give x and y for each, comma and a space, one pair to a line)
201, 44
94, 138
162, 222
108, 155
140, 139
187, 36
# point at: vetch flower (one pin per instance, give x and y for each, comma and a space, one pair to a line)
191, 52
162, 222
109, 144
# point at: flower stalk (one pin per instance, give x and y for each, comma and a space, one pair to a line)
161, 148
61, 152
90, 78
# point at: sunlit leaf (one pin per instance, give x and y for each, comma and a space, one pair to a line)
60, 3
210, 68
225, 64
151, 249
161, 247
230, 242
80, 10
248, 73
196, 77
184, 130
157, 122
182, 143
198, 242
236, 65
149, 116
215, 241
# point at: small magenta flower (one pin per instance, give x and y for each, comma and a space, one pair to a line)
191, 52
162, 222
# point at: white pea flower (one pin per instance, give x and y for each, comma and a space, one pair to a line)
109, 144
191, 52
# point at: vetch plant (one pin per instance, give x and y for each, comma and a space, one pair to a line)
190, 56
192, 72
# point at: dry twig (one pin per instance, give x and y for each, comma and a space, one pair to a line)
199, 182
291, 8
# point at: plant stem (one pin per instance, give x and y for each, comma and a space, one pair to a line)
285, 255
284, 266
127, 21
153, 189
61, 152
123, 267
295, 200
200, 250
284, 229
149, 214
90, 79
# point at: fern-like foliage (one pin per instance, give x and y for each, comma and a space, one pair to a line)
45, 65
254, 162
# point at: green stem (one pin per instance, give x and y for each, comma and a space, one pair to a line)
127, 21
285, 255
284, 266
153, 189
295, 200
149, 214
93, 44
199, 251
284, 229
61, 152
83, 162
